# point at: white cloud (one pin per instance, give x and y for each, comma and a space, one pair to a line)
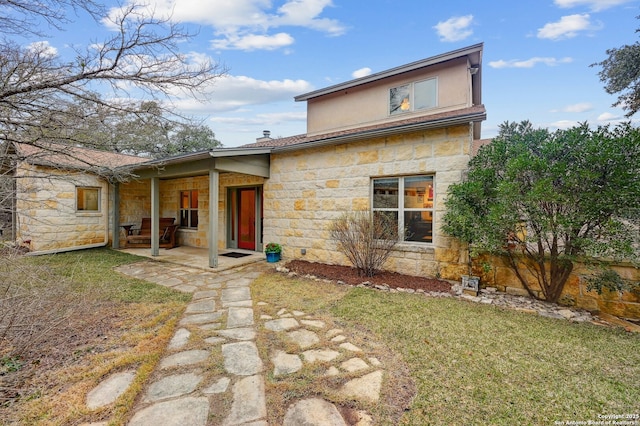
43, 48
567, 27
595, 5
270, 119
579, 107
607, 116
529, 63
304, 13
253, 42
563, 124
246, 24
455, 28
231, 93
362, 72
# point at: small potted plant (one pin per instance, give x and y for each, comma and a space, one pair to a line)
273, 252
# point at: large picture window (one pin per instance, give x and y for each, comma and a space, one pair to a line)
87, 199
408, 202
189, 209
413, 96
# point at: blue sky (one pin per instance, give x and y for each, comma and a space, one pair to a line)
535, 65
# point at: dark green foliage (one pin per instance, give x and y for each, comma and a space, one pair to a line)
621, 74
542, 199
607, 279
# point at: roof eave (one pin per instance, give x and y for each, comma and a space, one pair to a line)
466, 51
444, 122
201, 155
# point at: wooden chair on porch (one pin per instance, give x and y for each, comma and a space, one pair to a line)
167, 234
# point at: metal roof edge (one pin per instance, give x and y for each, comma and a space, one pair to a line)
462, 119
200, 155
433, 60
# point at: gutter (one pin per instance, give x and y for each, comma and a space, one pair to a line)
352, 137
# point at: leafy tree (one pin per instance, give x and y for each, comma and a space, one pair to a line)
144, 131
191, 138
543, 199
621, 74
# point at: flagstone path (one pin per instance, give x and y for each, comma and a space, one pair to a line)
181, 391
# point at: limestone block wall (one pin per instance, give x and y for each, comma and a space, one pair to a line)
623, 304
309, 188
46, 210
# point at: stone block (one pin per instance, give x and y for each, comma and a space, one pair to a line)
360, 204
587, 303
631, 296
620, 309
572, 287
447, 148
367, 157
447, 255
516, 291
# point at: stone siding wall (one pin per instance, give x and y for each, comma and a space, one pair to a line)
46, 210
308, 189
575, 293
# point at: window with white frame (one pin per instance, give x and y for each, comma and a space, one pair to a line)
189, 209
413, 96
408, 202
87, 199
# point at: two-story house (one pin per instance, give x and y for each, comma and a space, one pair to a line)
390, 142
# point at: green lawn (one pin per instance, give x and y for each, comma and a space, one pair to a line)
475, 364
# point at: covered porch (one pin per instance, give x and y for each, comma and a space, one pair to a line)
215, 197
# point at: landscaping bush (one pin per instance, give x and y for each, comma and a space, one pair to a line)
367, 240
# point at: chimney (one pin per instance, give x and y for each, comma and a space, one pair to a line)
266, 136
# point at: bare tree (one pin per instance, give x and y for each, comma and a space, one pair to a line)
365, 239
40, 91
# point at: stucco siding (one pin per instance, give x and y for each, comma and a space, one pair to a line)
367, 104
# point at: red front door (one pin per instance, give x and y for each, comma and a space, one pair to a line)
247, 218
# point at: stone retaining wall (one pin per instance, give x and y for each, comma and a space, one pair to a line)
575, 293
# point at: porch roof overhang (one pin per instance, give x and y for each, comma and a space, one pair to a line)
250, 161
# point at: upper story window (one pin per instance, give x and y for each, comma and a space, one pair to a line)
413, 96
189, 209
87, 199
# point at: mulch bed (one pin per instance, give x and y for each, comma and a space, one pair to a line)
349, 275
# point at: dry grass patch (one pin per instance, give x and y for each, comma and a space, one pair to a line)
317, 300
99, 323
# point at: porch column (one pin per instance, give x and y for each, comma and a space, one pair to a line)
214, 184
155, 216
115, 227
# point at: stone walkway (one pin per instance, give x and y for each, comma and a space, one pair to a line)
183, 392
